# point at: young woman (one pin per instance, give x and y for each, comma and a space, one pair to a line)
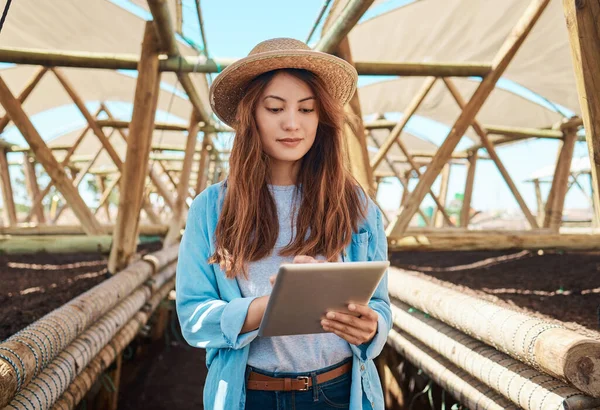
288, 198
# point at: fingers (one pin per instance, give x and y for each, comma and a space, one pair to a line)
346, 332
272, 279
364, 311
362, 323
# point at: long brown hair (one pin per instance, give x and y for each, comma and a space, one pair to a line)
332, 205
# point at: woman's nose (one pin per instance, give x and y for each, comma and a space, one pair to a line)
291, 121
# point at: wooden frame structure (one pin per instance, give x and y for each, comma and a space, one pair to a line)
163, 181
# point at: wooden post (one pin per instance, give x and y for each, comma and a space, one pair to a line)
177, 220
555, 204
584, 35
355, 135
202, 172
539, 201
438, 219
106, 193
138, 150
44, 156
465, 213
7, 192
32, 186
499, 64
101, 180
487, 144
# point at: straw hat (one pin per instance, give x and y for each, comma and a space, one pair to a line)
228, 88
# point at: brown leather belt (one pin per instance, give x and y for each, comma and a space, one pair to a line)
257, 381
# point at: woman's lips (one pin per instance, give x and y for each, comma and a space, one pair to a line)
290, 142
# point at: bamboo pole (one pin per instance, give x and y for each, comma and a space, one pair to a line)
492, 153
437, 69
524, 386
26, 353
556, 201
75, 357
484, 240
202, 172
443, 196
358, 155
7, 191
106, 194
24, 94
23, 244
394, 135
465, 388
107, 229
101, 181
112, 123
499, 64
45, 157
584, 37
178, 218
138, 149
33, 188
465, 213
339, 29
545, 346
540, 202
83, 383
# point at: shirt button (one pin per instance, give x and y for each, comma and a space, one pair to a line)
362, 367
373, 404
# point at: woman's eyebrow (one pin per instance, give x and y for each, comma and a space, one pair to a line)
283, 99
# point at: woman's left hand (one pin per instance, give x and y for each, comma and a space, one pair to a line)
355, 330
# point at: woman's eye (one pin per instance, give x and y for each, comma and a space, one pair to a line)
275, 109
307, 110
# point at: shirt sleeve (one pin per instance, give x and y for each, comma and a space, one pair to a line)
380, 301
207, 321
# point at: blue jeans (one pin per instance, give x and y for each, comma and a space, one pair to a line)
333, 394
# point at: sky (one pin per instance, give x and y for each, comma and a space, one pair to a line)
233, 27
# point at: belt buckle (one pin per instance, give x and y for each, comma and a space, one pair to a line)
305, 379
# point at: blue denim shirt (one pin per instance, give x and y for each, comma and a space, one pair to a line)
212, 311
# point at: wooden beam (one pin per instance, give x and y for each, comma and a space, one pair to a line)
499, 65
138, 148
523, 132
202, 171
355, 134
584, 35
33, 189
437, 69
178, 217
339, 29
8, 202
101, 182
484, 240
24, 94
395, 133
493, 154
539, 201
556, 200
44, 156
107, 229
465, 213
125, 124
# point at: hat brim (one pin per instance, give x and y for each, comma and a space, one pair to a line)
228, 88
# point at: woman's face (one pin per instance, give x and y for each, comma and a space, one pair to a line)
287, 119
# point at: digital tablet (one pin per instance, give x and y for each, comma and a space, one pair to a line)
304, 292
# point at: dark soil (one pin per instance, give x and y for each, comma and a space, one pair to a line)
563, 286
34, 285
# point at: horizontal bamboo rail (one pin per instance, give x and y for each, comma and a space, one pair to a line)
42, 390
188, 64
26, 244
482, 240
545, 346
466, 389
146, 230
516, 381
84, 381
25, 354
